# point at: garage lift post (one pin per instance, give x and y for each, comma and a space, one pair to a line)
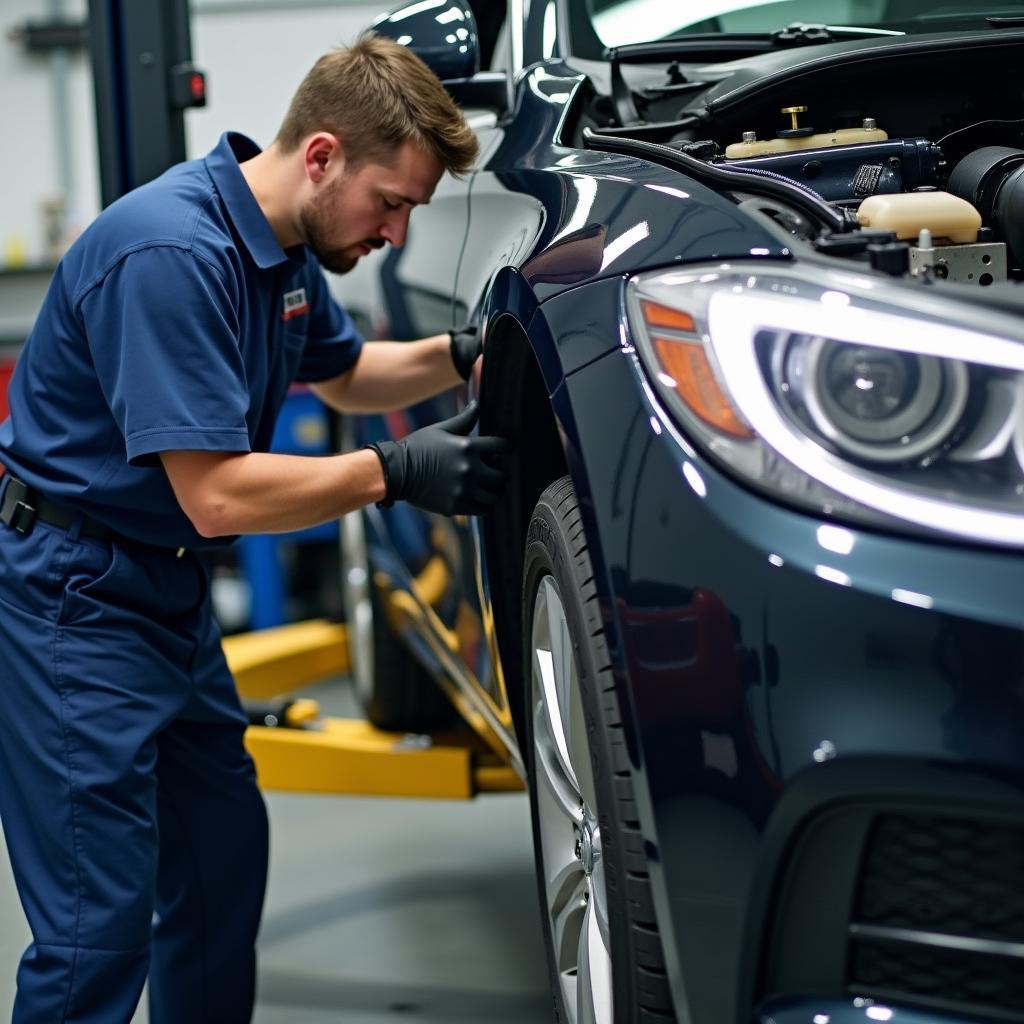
144, 81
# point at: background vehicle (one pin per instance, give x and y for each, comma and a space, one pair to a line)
749, 618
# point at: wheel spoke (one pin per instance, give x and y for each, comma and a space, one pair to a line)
599, 894
551, 647
578, 742
565, 663
564, 885
552, 772
566, 708
594, 976
567, 927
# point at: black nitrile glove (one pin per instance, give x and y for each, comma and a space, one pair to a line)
440, 469
466, 348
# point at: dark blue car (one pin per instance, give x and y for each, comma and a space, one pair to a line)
749, 618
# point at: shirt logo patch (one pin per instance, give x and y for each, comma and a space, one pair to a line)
295, 304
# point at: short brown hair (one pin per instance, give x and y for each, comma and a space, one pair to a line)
375, 95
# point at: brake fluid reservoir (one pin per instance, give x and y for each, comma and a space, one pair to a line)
944, 215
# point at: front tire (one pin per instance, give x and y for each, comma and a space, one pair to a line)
604, 951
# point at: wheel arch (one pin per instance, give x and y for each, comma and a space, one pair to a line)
515, 403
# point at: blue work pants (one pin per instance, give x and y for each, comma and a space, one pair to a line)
136, 832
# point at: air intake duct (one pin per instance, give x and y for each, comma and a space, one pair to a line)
993, 180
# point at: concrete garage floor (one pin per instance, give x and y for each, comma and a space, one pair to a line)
381, 911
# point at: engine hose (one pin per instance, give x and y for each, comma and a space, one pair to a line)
749, 179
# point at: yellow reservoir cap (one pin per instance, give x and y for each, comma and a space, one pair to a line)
944, 215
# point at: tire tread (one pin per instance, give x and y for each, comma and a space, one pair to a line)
653, 1000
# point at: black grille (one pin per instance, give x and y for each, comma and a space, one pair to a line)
945, 875
931, 881
950, 978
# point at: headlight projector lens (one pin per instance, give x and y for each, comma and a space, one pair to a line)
878, 404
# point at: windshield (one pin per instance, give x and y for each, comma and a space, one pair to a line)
617, 22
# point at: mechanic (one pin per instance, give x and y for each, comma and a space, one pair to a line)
142, 410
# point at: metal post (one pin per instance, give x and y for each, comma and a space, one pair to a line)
144, 80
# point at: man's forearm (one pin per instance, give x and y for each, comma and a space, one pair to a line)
266, 493
392, 375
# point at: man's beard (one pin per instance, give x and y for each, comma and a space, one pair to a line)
311, 218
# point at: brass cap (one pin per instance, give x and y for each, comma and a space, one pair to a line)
793, 111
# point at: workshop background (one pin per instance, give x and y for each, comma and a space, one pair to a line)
376, 908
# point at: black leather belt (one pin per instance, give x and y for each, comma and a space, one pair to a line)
21, 507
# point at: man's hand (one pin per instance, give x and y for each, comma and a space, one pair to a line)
440, 469
466, 348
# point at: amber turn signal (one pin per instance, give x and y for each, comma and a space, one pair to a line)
687, 364
657, 315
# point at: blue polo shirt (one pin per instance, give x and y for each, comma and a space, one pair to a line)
175, 322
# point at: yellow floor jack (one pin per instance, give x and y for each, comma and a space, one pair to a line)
298, 750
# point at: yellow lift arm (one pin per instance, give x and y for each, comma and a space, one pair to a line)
310, 754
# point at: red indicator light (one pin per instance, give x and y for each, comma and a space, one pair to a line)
197, 84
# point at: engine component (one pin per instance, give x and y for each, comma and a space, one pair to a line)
702, 149
944, 215
795, 129
751, 147
992, 179
981, 263
892, 258
856, 171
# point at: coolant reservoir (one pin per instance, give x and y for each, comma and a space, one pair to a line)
944, 215
752, 147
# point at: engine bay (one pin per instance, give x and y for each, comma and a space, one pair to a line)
917, 146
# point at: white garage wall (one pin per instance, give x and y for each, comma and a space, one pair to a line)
30, 171
254, 53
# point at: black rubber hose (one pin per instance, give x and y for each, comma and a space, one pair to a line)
760, 183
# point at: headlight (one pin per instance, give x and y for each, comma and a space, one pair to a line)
875, 404
843, 393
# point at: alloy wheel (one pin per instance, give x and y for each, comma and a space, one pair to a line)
576, 899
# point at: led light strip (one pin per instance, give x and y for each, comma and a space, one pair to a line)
746, 315
734, 321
